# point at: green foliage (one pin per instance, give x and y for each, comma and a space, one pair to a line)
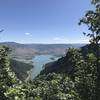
57, 87
18, 92
81, 83
45, 87
7, 77
95, 1
92, 20
84, 74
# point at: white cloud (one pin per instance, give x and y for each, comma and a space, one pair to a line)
27, 33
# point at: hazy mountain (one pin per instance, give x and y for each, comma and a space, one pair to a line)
27, 51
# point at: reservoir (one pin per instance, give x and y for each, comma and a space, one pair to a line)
39, 61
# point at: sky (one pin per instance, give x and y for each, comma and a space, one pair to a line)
43, 21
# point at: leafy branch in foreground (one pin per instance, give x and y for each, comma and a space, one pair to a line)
92, 20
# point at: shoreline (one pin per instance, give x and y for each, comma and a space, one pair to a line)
29, 72
29, 75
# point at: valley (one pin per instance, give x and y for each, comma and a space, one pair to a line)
23, 56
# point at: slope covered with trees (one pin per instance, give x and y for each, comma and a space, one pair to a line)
20, 68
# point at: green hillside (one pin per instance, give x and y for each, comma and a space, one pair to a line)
65, 63
63, 85
20, 68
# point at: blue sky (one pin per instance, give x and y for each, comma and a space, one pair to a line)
43, 21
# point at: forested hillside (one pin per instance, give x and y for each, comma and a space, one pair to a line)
20, 68
65, 64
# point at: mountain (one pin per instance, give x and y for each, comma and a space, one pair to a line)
28, 51
63, 64
22, 54
20, 51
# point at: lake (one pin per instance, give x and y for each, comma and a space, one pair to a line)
39, 61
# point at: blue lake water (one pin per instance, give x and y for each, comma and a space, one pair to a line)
39, 61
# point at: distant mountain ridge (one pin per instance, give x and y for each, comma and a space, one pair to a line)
27, 51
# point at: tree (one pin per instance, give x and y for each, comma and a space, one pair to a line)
92, 20
7, 77
83, 72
